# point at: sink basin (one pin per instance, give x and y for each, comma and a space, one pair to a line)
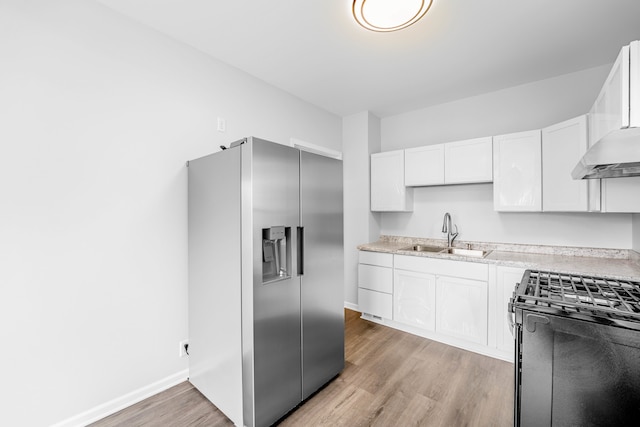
423, 248
475, 253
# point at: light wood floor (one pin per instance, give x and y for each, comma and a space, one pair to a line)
391, 378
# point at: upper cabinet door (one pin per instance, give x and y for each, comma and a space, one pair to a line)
562, 145
388, 192
424, 165
617, 106
468, 161
610, 110
634, 84
460, 162
517, 172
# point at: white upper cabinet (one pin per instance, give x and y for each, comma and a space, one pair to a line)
621, 195
424, 165
460, 162
618, 103
562, 144
388, 191
517, 172
618, 106
468, 161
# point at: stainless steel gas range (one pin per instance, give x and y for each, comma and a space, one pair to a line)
577, 344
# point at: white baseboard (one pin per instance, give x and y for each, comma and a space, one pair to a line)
119, 403
351, 306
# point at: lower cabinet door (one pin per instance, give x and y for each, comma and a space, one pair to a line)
507, 279
414, 299
376, 303
461, 307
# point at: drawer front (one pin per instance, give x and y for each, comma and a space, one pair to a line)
375, 278
443, 267
375, 303
376, 258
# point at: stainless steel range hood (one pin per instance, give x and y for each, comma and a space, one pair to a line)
615, 155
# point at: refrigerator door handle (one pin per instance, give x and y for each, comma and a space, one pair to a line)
300, 254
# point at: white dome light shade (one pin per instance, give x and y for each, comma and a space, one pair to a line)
389, 15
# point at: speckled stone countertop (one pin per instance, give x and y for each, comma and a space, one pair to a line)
617, 263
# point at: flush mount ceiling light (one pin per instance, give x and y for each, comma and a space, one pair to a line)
389, 15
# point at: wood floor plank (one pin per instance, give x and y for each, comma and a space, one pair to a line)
391, 378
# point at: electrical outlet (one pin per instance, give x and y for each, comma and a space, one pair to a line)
184, 345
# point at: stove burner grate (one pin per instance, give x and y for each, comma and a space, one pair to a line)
576, 293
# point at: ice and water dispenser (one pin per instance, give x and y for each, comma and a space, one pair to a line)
276, 255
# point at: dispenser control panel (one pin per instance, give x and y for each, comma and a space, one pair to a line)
276, 255
276, 233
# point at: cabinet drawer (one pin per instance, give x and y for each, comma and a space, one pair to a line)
375, 303
443, 267
376, 258
375, 278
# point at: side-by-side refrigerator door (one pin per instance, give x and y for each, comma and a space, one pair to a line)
273, 171
321, 268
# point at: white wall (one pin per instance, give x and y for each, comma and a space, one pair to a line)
361, 137
97, 118
531, 106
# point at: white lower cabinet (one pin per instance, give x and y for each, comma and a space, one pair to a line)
375, 278
460, 303
375, 303
461, 307
414, 299
444, 296
375, 284
506, 280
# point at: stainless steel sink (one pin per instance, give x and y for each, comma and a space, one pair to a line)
423, 248
474, 253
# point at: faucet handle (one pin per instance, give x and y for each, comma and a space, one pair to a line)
454, 235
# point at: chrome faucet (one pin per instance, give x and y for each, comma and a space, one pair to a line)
446, 228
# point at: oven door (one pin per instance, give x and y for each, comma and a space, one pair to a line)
578, 373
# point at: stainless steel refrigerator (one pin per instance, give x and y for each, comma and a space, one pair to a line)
266, 318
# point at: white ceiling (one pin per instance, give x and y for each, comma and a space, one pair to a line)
314, 49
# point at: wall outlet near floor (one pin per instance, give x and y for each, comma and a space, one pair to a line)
184, 348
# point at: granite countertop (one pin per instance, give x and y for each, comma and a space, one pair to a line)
621, 264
